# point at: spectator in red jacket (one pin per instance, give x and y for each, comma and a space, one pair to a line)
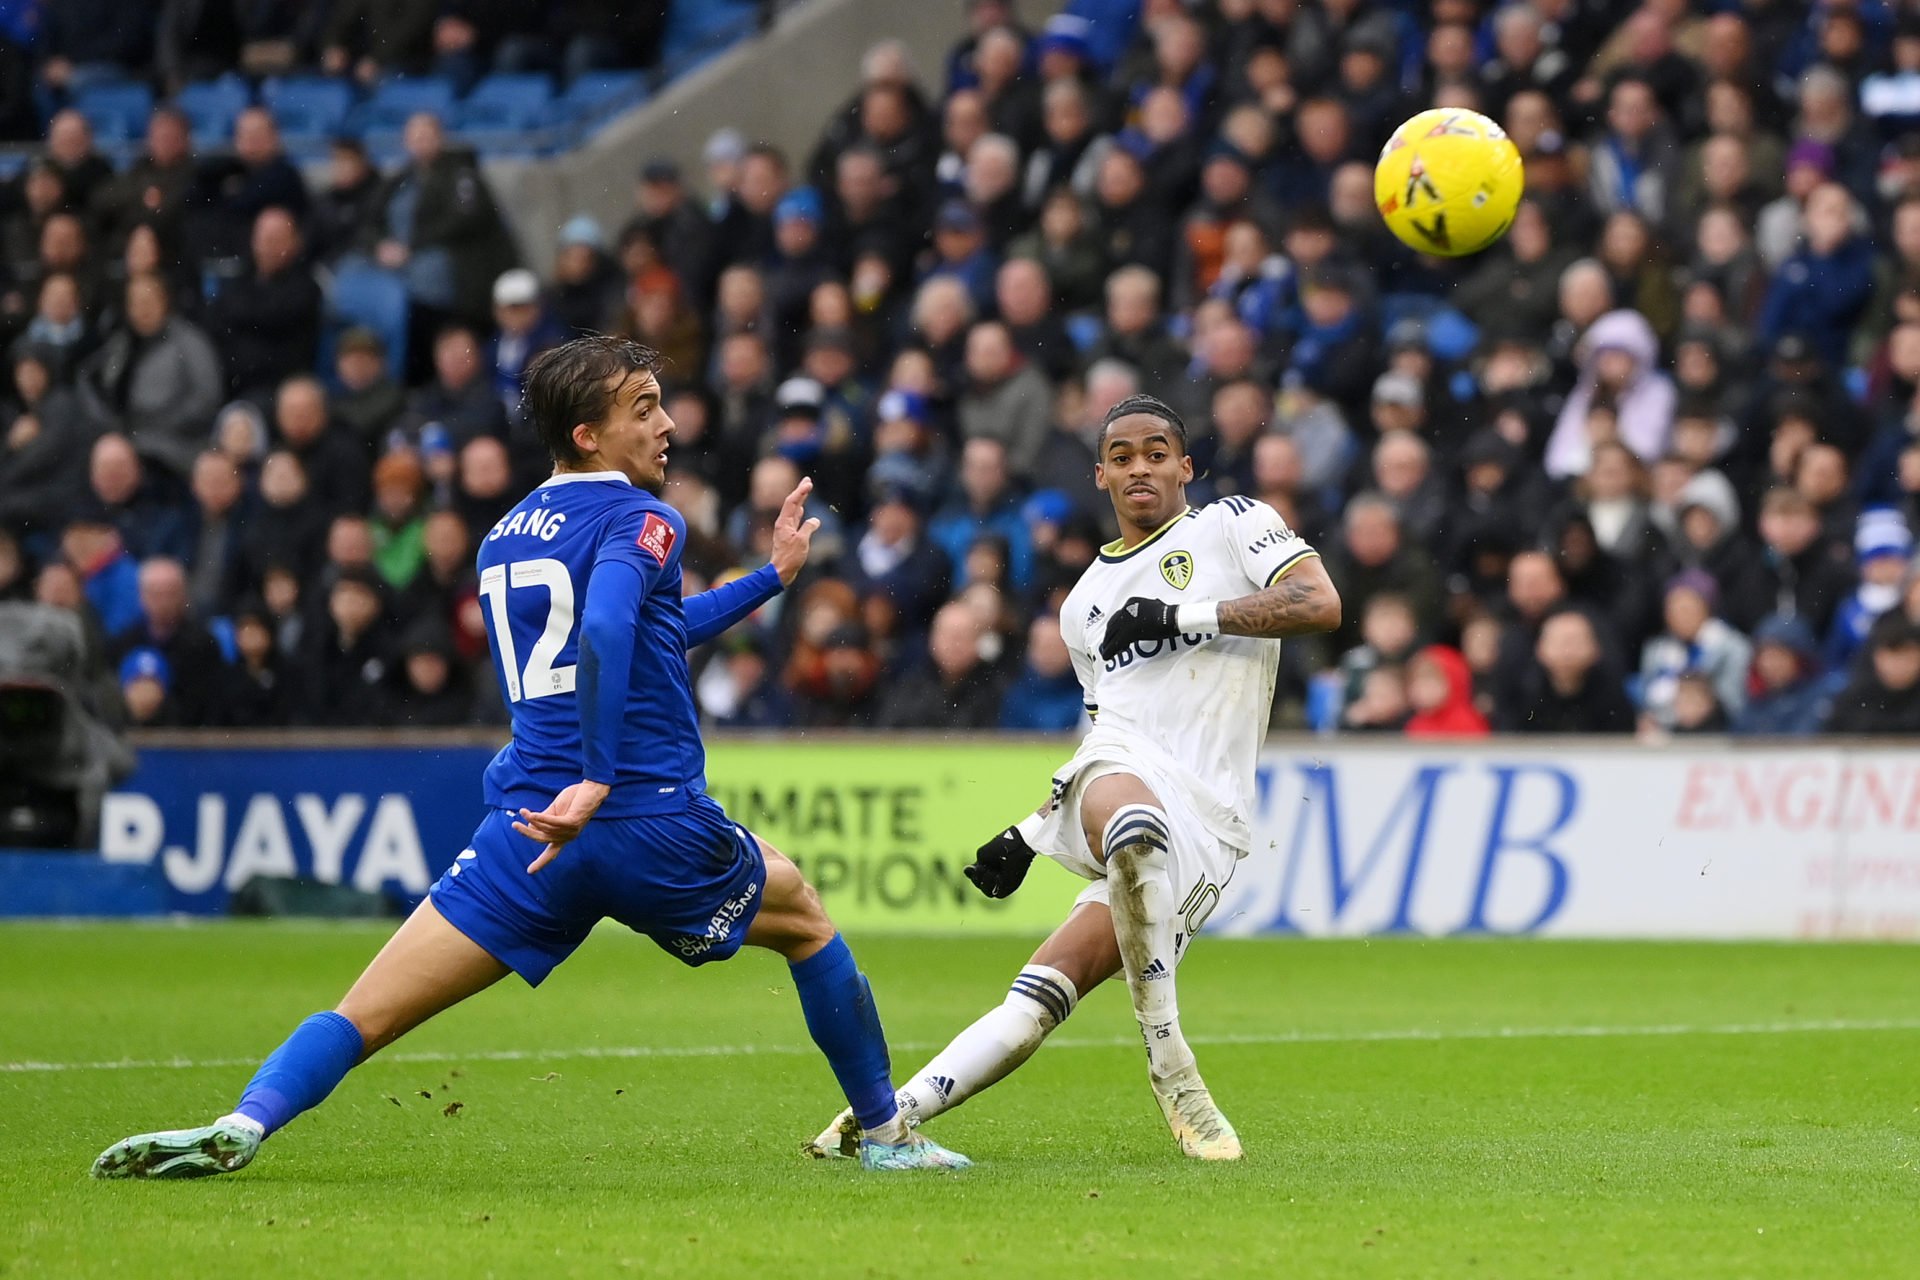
1441, 690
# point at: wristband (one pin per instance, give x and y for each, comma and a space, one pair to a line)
1029, 827
1201, 618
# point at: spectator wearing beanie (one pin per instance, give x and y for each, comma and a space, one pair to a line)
146, 689
801, 263
368, 401
586, 282
398, 523
1882, 545
1788, 692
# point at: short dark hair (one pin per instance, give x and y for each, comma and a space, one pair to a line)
1152, 406
575, 382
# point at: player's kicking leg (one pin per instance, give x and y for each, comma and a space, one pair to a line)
1122, 817
1125, 821
426, 967
842, 1019
1139, 933
1077, 957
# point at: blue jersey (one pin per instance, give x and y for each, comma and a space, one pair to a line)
580, 586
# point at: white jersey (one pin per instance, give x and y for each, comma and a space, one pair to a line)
1194, 706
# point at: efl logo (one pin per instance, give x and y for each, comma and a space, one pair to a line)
656, 537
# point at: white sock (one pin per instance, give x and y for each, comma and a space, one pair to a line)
1000, 1040
239, 1121
893, 1132
1135, 842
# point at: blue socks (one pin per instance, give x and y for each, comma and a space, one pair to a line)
303, 1071
838, 1005
834, 996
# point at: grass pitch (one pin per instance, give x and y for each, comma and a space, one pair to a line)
1487, 1109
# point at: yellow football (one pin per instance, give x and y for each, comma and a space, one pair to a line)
1448, 181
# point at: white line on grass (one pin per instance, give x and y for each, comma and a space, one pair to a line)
1597, 1032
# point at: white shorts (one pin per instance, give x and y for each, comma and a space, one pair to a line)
1199, 865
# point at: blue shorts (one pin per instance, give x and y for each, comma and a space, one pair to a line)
691, 881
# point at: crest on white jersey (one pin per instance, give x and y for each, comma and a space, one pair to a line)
1177, 568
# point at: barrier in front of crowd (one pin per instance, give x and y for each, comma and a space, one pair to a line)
1569, 839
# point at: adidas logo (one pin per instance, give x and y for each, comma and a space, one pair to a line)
943, 1085
1094, 615
1156, 969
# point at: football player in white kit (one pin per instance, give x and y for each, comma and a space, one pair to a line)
1173, 633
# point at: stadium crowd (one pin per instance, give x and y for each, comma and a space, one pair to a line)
1652, 463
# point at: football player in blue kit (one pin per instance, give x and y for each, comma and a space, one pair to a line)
598, 806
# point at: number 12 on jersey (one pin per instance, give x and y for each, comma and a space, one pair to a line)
541, 679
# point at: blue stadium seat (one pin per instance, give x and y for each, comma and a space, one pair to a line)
363, 294
116, 109
595, 97
392, 101
696, 27
211, 105
507, 102
308, 106
600, 88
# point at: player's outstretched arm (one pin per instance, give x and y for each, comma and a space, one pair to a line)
1302, 602
711, 612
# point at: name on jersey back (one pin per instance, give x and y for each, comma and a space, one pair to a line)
535, 523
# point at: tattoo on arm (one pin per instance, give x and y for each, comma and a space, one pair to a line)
1302, 603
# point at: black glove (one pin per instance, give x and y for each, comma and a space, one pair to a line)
1140, 618
1001, 864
